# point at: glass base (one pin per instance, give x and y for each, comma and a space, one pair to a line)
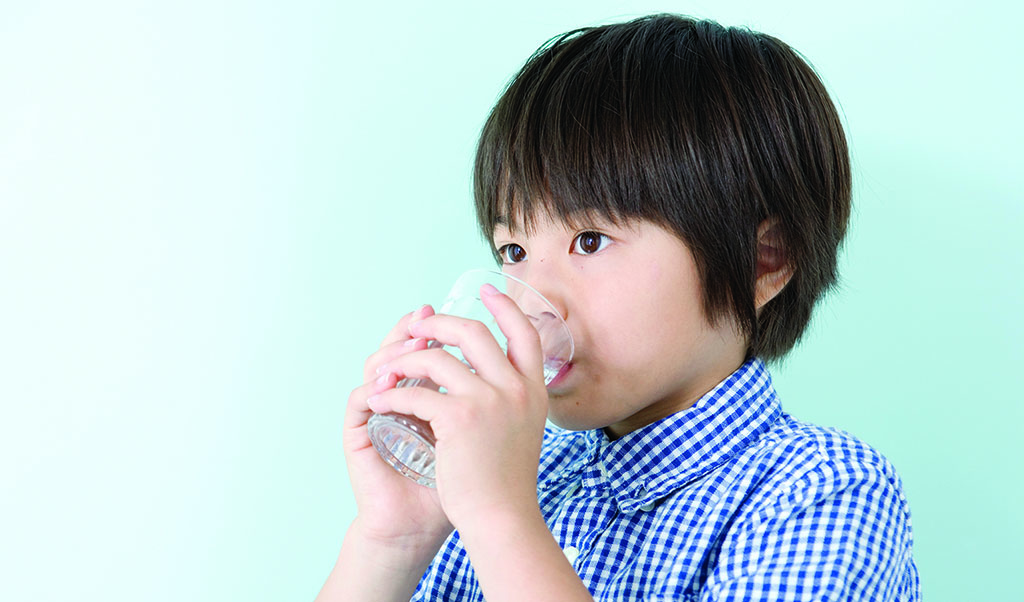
406, 443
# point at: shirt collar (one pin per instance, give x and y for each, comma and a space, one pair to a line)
651, 462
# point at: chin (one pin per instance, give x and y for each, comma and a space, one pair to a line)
574, 421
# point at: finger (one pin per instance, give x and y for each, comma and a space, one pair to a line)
474, 340
401, 330
357, 412
524, 350
389, 352
411, 401
436, 365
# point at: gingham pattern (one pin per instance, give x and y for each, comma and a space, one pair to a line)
729, 500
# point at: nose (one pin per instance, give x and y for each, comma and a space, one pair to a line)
552, 300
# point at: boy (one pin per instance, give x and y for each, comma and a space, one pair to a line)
679, 191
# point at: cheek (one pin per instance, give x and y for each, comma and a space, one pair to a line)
653, 318
620, 315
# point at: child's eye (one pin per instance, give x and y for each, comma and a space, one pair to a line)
590, 242
512, 253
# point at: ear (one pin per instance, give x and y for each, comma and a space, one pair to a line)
774, 269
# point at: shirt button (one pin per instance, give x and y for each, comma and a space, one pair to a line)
647, 507
572, 554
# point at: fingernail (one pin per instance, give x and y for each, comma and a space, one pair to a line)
382, 368
489, 290
372, 400
411, 342
417, 315
383, 378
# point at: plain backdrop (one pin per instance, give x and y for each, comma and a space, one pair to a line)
211, 212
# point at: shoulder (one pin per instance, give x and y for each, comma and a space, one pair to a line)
824, 456
819, 483
820, 499
803, 476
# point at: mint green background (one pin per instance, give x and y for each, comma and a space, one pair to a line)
210, 213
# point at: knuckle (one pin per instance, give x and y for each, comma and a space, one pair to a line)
474, 328
518, 390
436, 354
465, 413
440, 358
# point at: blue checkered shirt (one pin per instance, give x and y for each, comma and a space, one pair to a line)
731, 499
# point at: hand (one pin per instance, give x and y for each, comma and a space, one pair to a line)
490, 424
393, 511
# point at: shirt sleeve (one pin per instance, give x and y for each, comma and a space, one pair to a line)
842, 532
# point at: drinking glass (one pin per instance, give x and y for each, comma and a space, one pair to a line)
406, 442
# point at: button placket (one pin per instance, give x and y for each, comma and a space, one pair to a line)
571, 554
572, 490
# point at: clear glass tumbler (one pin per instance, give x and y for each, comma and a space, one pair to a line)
406, 442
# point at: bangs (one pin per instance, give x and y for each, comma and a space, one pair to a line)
562, 142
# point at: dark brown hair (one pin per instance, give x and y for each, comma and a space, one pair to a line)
702, 129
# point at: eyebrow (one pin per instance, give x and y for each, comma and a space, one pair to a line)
502, 221
581, 219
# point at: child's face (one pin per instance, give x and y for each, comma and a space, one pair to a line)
631, 296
